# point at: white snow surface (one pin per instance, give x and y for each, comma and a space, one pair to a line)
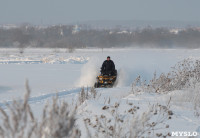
51, 71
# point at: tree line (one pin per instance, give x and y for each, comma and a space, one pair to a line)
67, 36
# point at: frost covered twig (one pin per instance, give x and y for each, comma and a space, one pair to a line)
19, 120
184, 74
135, 124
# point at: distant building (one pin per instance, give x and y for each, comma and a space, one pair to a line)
76, 29
175, 31
8, 26
124, 32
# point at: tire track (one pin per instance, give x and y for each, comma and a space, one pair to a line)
44, 97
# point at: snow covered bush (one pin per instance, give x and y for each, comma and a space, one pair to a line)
196, 99
190, 95
184, 77
131, 124
57, 120
184, 74
86, 94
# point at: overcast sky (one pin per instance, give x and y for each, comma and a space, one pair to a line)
67, 11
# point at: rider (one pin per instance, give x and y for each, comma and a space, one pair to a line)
108, 67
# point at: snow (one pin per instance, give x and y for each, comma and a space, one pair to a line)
52, 72
182, 120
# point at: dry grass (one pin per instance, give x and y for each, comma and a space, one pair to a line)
19, 122
86, 95
135, 124
184, 74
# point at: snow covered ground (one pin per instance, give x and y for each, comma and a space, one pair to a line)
55, 71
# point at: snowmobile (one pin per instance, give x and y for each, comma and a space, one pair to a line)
106, 81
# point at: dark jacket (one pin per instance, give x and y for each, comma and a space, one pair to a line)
108, 67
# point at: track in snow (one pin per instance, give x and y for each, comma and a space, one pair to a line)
41, 98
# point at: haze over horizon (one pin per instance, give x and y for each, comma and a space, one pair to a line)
68, 11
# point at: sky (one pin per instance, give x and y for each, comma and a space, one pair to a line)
68, 11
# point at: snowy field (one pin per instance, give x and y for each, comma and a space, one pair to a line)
55, 71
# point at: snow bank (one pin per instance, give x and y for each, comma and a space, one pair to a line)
53, 59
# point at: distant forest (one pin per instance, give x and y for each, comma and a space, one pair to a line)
69, 36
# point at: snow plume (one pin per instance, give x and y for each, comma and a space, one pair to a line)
89, 72
126, 76
122, 78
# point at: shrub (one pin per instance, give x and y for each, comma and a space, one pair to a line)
57, 120
135, 124
185, 74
